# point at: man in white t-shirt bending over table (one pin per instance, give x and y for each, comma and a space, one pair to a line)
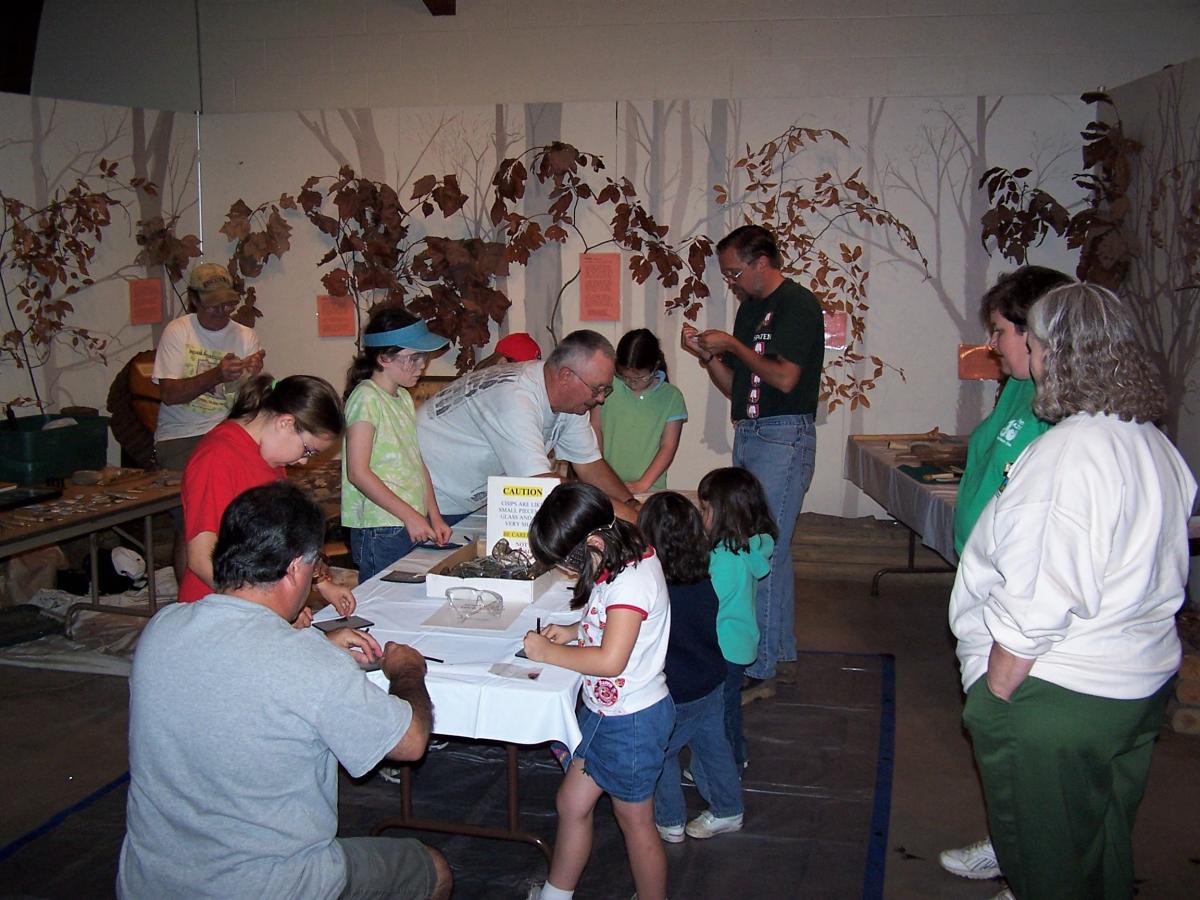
506, 420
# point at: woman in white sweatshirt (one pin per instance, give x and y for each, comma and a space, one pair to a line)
1064, 606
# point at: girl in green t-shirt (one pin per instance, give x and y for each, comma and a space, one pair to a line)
639, 425
387, 497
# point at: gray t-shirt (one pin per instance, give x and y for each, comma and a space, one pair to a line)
237, 723
496, 421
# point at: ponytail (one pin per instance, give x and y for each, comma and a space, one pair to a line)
311, 401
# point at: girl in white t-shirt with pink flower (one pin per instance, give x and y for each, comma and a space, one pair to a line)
620, 646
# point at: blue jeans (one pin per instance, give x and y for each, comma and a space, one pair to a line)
624, 754
700, 725
732, 690
781, 452
374, 549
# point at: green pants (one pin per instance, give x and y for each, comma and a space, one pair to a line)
1063, 774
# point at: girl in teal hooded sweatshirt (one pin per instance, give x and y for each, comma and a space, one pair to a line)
742, 532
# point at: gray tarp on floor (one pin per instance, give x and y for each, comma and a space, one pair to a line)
810, 799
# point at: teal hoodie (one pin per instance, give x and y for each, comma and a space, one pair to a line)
735, 577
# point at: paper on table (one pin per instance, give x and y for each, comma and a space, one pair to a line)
511, 670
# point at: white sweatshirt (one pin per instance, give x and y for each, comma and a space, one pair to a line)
1080, 561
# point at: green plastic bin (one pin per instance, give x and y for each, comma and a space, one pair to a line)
29, 455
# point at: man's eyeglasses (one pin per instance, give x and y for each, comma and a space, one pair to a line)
598, 390
732, 277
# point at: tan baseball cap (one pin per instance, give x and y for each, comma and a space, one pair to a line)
212, 284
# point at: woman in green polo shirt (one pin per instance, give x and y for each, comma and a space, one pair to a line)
1011, 426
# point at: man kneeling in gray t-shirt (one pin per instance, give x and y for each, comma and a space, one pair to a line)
238, 721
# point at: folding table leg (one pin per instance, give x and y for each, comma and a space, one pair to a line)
911, 569
512, 833
94, 603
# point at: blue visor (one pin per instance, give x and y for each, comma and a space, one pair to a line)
411, 337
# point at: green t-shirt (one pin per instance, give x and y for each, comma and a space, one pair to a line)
395, 456
632, 423
789, 324
997, 441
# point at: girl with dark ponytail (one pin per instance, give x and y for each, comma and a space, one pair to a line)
271, 425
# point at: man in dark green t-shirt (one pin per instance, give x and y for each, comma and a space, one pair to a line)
770, 369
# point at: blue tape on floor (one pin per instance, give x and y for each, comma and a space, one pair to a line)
59, 817
877, 847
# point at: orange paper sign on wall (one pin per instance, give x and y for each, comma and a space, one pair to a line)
336, 316
145, 301
977, 362
836, 324
599, 287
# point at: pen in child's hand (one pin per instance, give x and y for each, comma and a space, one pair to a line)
539, 625
432, 659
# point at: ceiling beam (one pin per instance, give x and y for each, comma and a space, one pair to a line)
440, 7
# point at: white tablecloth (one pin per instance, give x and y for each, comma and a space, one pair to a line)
468, 701
928, 509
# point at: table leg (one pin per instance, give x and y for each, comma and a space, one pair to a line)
94, 603
148, 545
512, 833
911, 569
94, 560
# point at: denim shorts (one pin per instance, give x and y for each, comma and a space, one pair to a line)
624, 754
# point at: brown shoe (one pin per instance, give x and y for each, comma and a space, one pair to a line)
757, 689
787, 671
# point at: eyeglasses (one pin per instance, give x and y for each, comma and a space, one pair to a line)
309, 452
732, 277
598, 390
469, 602
637, 381
413, 360
575, 560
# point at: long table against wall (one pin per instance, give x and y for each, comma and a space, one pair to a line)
925, 508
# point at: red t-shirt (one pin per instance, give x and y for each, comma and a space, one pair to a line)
224, 464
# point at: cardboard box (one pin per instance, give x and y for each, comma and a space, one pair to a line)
437, 581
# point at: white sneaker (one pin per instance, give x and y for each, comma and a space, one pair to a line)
976, 860
672, 834
707, 825
535, 892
